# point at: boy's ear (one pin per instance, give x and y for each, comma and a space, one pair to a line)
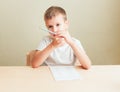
67, 23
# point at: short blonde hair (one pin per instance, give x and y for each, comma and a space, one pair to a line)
54, 11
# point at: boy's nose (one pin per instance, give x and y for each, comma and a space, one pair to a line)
55, 29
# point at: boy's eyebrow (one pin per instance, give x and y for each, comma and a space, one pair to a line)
48, 31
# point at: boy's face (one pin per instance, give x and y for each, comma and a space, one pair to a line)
57, 23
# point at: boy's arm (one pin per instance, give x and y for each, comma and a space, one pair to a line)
81, 56
79, 53
41, 56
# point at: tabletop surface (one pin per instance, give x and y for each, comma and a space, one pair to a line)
100, 78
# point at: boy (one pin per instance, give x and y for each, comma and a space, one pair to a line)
59, 48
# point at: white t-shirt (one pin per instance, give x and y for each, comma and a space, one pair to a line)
63, 55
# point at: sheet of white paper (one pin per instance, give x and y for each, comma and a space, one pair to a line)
64, 73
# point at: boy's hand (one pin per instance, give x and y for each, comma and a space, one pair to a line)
64, 34
57, 42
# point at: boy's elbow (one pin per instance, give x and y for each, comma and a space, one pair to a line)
87, 67
34, 65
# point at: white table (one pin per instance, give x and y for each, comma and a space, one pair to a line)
103, 78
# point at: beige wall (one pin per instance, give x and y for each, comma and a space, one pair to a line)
96, 23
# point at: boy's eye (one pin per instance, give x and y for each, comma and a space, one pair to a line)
58, 25
49, 26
